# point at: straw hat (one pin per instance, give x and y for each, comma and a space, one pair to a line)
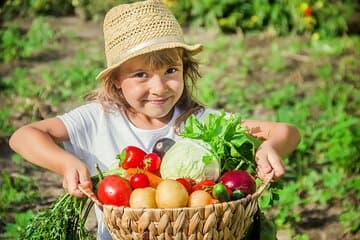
134, 29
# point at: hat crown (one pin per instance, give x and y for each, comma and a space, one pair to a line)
129, 25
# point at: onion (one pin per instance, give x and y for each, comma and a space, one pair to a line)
239, 179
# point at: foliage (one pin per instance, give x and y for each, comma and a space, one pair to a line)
26, 8
322, 18
18, 45
325, 18
14, 230
93, 9
64, 220
87, 9
15, 190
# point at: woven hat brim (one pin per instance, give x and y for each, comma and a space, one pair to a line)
194, 49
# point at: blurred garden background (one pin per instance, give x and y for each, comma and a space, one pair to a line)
292, 61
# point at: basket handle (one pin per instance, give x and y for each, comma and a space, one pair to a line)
265, 182
90, 194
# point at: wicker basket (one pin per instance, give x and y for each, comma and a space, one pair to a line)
226, 220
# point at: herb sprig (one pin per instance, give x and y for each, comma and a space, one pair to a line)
65, 220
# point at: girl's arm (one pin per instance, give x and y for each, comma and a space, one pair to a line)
37, 143
280, 139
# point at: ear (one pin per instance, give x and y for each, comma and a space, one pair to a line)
117, 84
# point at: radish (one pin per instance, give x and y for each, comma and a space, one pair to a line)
240, 180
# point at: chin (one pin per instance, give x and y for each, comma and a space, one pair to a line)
160, 114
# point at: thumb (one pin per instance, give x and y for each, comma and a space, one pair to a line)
84, 178
73, 183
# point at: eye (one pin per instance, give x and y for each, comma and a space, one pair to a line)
171, 70
140, 75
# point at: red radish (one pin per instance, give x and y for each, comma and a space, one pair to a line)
239, 179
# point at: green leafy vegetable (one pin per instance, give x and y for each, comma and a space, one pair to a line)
64, 221
229, 141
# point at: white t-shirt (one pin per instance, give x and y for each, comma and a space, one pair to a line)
97, 136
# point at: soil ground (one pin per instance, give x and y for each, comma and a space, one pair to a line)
318, 223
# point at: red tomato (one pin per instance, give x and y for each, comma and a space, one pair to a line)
205, 185
114, 190
139, 180
131, 157
186, 183
308, 11
151, 162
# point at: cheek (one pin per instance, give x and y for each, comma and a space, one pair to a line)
176, 86
132, 91
134, 94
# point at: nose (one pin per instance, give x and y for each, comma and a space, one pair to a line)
158, 85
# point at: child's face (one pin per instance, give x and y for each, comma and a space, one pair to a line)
151, 92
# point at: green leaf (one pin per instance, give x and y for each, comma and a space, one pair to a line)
229, 141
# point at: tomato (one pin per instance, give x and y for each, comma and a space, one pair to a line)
151, 162
308, 11
186, 183
205, 185
131, 157
139, 180
114, 190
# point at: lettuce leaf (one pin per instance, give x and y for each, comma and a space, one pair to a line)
228, 140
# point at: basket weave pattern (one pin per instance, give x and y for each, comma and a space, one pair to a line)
226, 220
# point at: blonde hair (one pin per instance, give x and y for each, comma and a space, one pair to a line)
112, 98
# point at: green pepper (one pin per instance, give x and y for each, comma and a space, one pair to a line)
221, 193
237, 194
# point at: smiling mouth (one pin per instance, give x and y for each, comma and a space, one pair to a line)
158, 101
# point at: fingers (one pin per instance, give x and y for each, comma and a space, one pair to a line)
276, 164
75, 178
73, 185
269, 160
263, 165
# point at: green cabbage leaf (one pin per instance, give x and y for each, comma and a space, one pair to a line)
190, 158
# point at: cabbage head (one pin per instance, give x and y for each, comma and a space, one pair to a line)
190, 158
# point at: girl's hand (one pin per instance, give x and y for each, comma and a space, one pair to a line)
268, 159
75, 175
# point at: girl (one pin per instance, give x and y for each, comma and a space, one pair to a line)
145, 95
